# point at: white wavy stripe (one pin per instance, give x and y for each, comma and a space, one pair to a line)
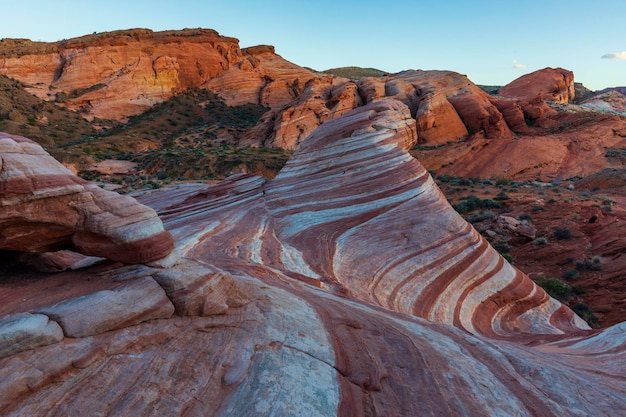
308, 219
450, 297
293, 260
327, 197
184, 244
255, 246
533, 319
410, 291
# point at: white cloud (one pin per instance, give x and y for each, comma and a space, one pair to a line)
518, 65
615, 55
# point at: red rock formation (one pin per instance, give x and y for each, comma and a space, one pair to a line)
351, 225
446, 105
261, 76
44, 207
550, 84
577, 147
119, 74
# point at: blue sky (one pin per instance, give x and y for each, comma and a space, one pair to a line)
492, 42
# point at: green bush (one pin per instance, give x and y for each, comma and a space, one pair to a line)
472, 203
585, 313
502, 196
571, 275
481, 216
554, 287
589, 265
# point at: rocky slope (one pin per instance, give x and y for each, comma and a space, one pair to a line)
567, 236
345, 286
119, 74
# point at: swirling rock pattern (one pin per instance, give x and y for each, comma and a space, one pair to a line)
44, 207
348, 286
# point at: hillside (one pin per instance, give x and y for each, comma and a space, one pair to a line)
354, 73
193, 135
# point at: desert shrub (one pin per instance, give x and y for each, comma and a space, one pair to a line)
481, 216
508, 257
524, 216
501, 196
585, 313
571, 275
502, 181
472, 203
592, 264
502, 247
541, 241
562, 233
554, 287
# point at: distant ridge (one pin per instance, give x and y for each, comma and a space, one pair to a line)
355, 73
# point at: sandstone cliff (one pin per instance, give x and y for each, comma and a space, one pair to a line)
119, 74
345, 286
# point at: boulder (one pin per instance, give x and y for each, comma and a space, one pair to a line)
550, 84
44, 207
25, 331
127, 305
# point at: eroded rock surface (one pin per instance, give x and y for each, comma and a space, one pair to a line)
447, 106
348, 286
44, 207
123, 73
25, 331
549, 84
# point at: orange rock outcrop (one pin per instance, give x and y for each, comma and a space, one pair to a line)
549, 84
119, 74
446, 105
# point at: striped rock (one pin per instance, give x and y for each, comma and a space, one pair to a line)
365, 295
44, 207
353, 212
